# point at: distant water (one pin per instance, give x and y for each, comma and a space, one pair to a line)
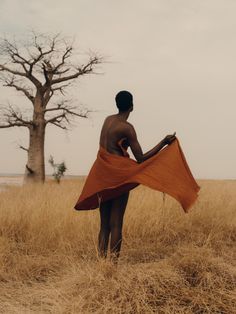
11, 174
10, 180
17, 179
67, 176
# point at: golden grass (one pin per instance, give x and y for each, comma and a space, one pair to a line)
170, 262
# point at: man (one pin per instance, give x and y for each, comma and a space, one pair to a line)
114, 130
114, 174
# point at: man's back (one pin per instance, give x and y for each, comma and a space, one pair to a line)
113, 130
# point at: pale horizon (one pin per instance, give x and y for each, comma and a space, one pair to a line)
176, 58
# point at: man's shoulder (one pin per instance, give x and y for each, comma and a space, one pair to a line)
128, 125
109, 117
128, 129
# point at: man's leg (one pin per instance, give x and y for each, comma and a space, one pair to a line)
116, 222
103, 237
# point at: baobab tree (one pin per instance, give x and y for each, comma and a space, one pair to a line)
42, 69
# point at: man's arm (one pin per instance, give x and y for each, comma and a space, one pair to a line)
137, 150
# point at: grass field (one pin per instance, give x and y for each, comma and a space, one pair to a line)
170, 262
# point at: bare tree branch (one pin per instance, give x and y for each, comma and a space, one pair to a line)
14, 54
22, 147
12, 117
59, 125
57, 118
84, 69
12, 51
27, 74
19, 145
12, 71
60, 89
65, 56
65, 113
48, 72
9, 125
50, 58
41, 53
29, 169
11, 83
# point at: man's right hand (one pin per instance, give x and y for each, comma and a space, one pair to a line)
169, 139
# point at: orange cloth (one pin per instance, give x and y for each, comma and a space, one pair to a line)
112, 175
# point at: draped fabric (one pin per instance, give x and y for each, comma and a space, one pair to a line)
112, 175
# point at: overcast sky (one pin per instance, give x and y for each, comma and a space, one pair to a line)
177, 57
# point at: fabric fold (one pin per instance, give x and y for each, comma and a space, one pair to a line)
112, 175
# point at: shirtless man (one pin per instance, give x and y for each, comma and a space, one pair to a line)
116, 128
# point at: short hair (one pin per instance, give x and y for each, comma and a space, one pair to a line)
124, 100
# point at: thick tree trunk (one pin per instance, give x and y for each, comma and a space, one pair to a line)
35, 167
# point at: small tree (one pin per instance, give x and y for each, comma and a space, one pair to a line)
59, 169
41, 69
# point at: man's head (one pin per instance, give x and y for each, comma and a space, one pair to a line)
124, 101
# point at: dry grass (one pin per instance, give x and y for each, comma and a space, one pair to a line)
171, 262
